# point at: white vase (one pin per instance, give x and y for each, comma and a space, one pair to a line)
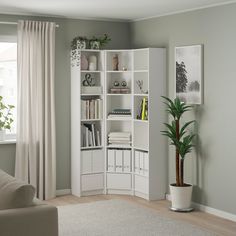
181, 197
2, 135
92, 63
94, 45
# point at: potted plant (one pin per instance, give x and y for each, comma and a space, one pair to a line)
181, 192
79, 42
99, 42
5, 118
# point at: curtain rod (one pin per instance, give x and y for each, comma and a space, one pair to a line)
13, 23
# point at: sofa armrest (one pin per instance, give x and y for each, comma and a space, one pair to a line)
38, 220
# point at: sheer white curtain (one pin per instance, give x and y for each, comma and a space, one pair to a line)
36, 140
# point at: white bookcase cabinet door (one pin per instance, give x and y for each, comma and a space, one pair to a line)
98, 161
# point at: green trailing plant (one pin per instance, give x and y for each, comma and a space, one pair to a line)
103, 40
178, 135
5, 115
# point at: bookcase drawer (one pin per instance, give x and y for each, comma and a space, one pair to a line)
92, 182
141, 184
119, 181
86, 162
98, 161
92, 161
141, 163
119, 160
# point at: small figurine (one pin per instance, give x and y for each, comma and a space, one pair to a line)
115, 62
123, 84
88, 81
116, 84
140, 86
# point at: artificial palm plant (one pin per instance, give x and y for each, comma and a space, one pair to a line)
178, 135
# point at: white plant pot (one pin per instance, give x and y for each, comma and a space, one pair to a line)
2, 135
181, 197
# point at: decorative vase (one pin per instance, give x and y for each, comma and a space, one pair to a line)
94, 44
115, 62
81, 44
2, 135
181, 197
92, 63
84, 62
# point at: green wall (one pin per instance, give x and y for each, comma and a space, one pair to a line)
212, 167
120, 34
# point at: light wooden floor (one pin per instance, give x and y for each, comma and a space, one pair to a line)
202, 220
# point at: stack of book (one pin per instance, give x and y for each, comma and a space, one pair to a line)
91, 109
119, 139
120, 114
143, 110
90, 135
120, 90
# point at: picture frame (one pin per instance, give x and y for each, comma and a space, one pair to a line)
189, 74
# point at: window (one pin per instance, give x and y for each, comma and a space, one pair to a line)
8, 79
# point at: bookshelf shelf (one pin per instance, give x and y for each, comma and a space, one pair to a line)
119, 71
141, 95
119, 146
142, 175
119, 94
141, 71
91, 71
106, 150
119, 119
91, 94
142, 121
115, 172
90, 120
91, 148
140, 148
89, 50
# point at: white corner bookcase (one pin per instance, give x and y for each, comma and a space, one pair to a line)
139, 168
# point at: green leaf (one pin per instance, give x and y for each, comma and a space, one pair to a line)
182, 130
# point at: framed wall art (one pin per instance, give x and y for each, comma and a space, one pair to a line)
189, 74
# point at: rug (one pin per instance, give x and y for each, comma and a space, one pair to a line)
120, 218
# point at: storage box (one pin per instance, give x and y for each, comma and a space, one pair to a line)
91, 89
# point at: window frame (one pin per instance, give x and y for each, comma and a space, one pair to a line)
9, 138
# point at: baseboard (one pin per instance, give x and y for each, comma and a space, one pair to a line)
61, 192
210, 210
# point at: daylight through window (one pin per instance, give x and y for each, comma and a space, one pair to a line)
8, 78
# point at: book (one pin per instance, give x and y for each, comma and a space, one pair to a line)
90, 134
142, 112
87, 109
86, 136
93, 135
91, 109
90, 139
83, 109
143, 109
100, 108
98, 138
96, 115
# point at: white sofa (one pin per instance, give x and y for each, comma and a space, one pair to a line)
21, 214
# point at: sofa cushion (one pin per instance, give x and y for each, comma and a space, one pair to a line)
14, 193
